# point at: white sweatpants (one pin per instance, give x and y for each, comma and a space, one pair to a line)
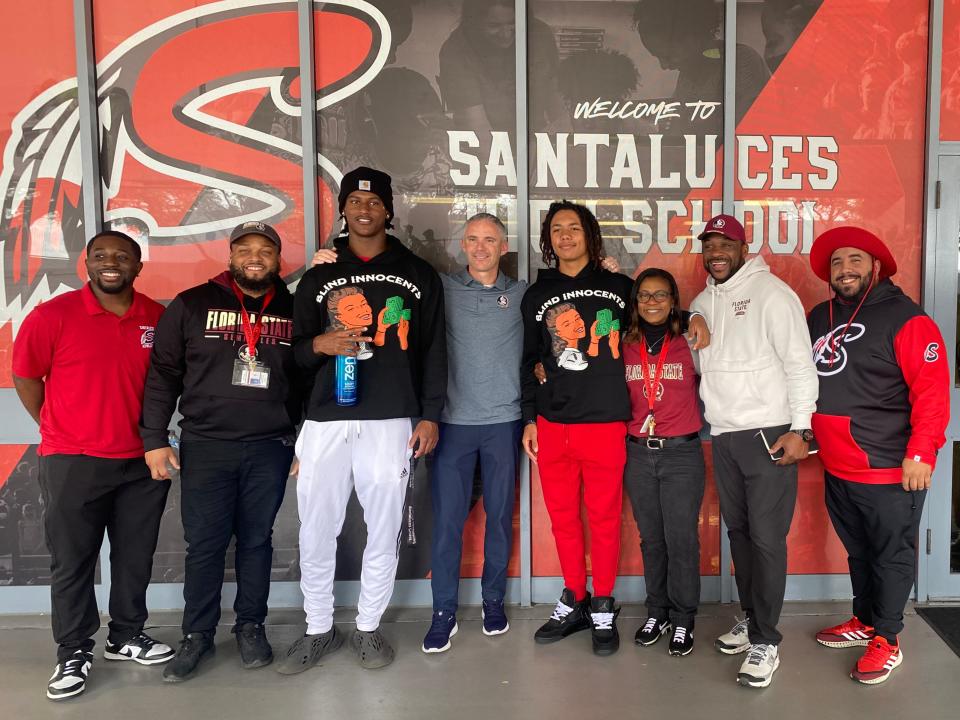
336, 457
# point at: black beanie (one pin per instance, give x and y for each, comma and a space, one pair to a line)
369, 180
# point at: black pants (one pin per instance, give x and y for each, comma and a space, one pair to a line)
665, 488
757, 499
878, 526
82, 497
229, 488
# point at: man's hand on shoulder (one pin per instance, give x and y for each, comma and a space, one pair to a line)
323, 256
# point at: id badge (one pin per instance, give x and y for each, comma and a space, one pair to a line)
648, 425
255, 374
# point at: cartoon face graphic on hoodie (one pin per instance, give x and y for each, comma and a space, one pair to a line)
566, 328
349, 310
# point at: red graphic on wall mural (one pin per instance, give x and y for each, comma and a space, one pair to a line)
199, 130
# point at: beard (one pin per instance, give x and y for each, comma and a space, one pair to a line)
257, 286
851, 295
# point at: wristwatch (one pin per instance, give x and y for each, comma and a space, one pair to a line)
806, 434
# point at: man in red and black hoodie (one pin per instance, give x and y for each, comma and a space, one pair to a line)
575, 422
880, 420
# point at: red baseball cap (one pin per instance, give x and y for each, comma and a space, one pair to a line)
726, 225
849, 236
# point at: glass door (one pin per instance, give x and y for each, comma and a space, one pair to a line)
942, 535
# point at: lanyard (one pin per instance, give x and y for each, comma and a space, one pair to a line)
251, 331
837, 340
651, 383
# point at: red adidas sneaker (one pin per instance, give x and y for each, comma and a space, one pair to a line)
848, 634
877, 662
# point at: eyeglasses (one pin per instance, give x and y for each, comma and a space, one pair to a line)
659, 296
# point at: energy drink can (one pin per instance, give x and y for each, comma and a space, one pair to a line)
346, 378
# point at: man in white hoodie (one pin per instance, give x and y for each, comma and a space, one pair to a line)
759, 387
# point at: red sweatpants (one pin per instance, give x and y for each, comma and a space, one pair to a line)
591, 455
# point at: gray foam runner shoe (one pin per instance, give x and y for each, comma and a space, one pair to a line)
373, 649
306, 651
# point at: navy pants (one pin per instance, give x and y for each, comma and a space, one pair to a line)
229, 488
496, 447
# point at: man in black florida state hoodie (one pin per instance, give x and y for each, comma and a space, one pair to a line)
225, 349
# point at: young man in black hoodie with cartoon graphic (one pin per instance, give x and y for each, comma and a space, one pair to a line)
575, 422
225, 349
382, 305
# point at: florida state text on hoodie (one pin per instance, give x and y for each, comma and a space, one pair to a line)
757, 371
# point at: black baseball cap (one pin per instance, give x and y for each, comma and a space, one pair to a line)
255, 227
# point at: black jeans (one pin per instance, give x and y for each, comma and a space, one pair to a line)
878, 526
84, 496
665, 488
757, 499
229, 488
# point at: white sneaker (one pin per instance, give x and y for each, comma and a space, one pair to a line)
736, 641
761, 663
141, 649
70, 677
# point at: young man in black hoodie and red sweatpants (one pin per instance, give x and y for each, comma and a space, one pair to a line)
575, 422
382, 305
225, 350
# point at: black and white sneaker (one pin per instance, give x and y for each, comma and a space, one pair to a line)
70, 677
569, 616
682, 641
603, 618
141, 648
651, 631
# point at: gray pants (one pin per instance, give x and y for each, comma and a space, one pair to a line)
757, 499
666, 490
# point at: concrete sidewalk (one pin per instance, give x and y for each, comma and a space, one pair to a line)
508, 676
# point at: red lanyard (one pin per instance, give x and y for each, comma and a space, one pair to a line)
837, 340
651, 383
251, 331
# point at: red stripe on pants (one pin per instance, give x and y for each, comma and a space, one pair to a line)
591, 456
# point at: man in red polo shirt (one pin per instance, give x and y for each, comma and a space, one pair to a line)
79, 365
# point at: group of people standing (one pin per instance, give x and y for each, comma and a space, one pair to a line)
376, 361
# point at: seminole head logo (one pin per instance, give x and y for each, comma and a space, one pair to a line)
198, 118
